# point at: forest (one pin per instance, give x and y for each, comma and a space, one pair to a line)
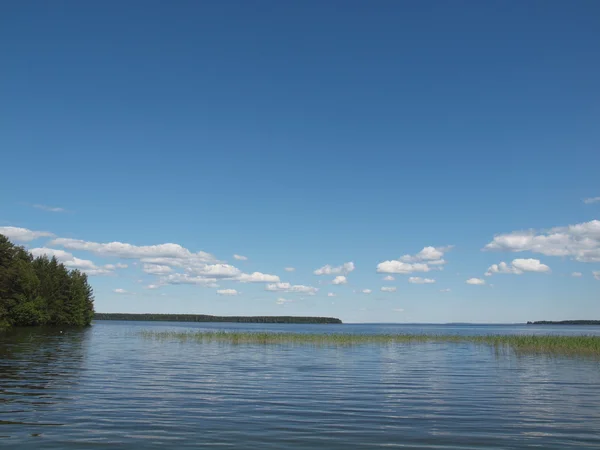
41, 291
565, 322
207, 318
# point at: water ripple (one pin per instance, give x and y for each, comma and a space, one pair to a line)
105, 387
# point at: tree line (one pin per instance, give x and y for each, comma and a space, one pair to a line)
565, 322
207, 318
41, 291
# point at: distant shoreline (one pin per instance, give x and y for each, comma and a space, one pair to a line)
565, 322
208, 318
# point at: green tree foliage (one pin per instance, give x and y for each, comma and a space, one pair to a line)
41, 291
206, 318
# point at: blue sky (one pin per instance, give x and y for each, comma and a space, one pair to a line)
307, 134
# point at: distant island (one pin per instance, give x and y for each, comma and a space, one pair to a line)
207, 318
565, 322
41, 291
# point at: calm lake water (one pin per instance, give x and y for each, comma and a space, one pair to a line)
107, 387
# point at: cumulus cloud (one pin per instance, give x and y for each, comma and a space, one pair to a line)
438, 262
23, 234
227, 292
388, 289
331, 294
157, 269
475, 281
590, 200
240, 257
388, 278
366, 291
130, 251
340, 279
257, 277
287, 287
120, 291
596, 274
530, 265
115, 266
283, 301
400, 267
577, 274
184, 278
432, 256
216, 271
445, 290
289, 269
72, 262
345, 269
49, 208
580, 241
152, 286
419, 280
518, 267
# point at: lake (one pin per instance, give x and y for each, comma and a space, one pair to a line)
108, 387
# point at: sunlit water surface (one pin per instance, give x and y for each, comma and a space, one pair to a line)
108, 387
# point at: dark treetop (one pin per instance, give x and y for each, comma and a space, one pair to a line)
206, 318
41, 291
565, 322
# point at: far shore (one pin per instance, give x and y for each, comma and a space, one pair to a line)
208, 318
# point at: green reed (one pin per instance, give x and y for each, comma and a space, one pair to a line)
547, 344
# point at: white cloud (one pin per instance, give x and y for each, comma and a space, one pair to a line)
184, 278
419, 280
23, 234
227, 292
345, 269
120, 291
49, 208
72, 262
596, 274
283, 301
502, 268
432, 256
518, 267
257, 277
445, 290
216, 271
587, 201
340, 279
395, 266
129, 251
438, 262
388, 289
331, 294
240, 257
388, 278
366, 291
289, 269
61, 255
580, 241
576, 274
287, 287
476, 281
398, 309
157, 269
152, 286
115, 266
530, 265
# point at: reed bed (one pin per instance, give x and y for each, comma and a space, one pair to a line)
540, 344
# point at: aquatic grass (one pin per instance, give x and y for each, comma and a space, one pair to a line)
525, 344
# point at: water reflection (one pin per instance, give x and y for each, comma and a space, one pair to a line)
39, 368
108, 388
